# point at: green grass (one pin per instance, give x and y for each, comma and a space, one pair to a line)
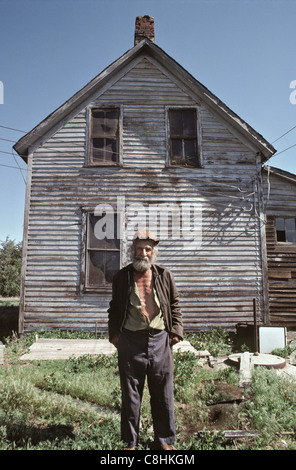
9, 301
75, 404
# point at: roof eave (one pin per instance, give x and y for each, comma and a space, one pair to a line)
28, 141
266, 149
291, 177
145, 46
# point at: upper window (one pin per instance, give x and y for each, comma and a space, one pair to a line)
104, 136
285, 229
102, 251
183, 137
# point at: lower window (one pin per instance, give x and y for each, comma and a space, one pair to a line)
102, 251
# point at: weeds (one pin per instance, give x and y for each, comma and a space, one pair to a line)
187, 376
218, 342
271, 407
90, 378
75, 404
284, 352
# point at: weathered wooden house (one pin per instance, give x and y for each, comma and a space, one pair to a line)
145, 140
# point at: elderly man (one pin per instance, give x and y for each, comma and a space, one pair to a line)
144, 322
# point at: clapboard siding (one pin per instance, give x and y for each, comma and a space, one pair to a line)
217, 280
280, 194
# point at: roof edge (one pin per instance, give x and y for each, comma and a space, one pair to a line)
219, 106
282, 173
22, 145
31, 138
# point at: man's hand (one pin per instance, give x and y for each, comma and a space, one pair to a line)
115, 340
174, 339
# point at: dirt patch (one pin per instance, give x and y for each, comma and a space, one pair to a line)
224, 403
224, 416
225, 393
224, 406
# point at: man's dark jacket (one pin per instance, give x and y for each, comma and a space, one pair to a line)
167, 294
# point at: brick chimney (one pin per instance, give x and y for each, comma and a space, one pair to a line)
144, 28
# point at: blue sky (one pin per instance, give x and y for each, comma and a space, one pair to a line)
242, 50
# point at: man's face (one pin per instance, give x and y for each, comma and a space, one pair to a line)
144, 249
144, 256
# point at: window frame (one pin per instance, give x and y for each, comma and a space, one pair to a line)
198, 137
89, 154
284, 242
85, 286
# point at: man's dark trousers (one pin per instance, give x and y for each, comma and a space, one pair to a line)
148, 353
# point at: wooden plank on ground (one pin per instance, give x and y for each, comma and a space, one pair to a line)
47, 348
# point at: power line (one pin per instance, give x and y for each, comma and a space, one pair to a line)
12, 153
3, 151
73, 144
15, 167
7, 140
13, 129
41, 135
284, 134
106, 150
282, 151
201, 191
14, 157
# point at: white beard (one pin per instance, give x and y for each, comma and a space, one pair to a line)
142, 264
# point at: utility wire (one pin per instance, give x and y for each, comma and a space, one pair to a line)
8, 140
282, 151
14, 157
12, 129
3, 151
15, 167
73, 144
80, 145
284, 134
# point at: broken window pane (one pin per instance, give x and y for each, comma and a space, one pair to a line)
102, 250
104, 123
103, 265
281, 235
104, 150
104, 135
